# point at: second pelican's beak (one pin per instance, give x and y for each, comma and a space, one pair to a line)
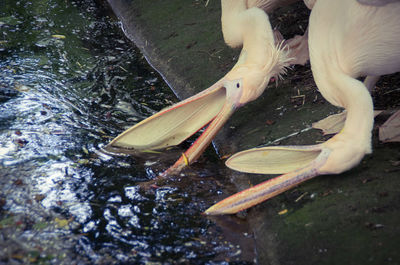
302, 163
174, 124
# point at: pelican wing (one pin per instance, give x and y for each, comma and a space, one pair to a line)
331, 124
390, 130
334, 123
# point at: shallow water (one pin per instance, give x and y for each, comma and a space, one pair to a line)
69, 83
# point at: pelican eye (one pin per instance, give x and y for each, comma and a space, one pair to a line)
237, 85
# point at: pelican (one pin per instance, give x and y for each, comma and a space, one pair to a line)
262, 57
347, 39
297, 47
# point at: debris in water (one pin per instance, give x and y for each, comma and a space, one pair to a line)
21, 88
61, 222
58, 36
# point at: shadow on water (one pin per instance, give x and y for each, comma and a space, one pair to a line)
69, 82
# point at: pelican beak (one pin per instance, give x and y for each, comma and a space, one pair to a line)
174, 124
296, 163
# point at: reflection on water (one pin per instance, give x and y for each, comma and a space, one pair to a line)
69, 82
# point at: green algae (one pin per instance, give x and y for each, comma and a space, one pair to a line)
191, 39
351, 218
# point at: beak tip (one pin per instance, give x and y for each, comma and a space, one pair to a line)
210, 211
220, 209
108, 147
207, 212
227, 163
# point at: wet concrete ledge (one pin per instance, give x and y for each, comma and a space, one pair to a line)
352, 218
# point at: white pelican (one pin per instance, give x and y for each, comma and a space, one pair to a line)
261, 58
347, 39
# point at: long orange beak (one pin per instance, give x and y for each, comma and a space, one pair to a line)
174, 124
302, 163
204, 139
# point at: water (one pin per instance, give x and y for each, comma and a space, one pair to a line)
69, 83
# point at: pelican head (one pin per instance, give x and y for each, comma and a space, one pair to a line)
251, 81
260, 59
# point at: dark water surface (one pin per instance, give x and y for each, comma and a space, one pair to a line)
69, 83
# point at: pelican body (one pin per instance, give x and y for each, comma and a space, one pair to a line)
365, 44
347, 39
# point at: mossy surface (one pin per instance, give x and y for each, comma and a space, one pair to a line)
347, 219
351, 218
